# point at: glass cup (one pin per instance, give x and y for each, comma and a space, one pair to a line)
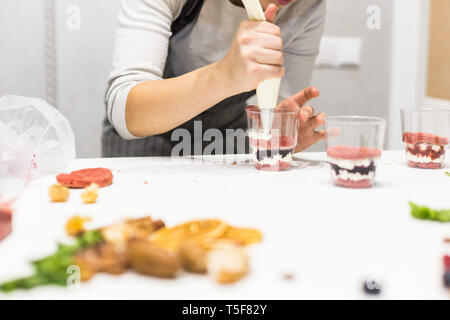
354, 145
273, 150
426, 134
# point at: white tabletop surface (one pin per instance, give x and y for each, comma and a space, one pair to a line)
329, 238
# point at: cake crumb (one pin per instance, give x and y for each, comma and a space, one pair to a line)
58, 193
90, 193
288, 276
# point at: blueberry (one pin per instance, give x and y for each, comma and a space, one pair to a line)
447, 279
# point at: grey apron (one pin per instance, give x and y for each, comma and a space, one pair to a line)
228, 114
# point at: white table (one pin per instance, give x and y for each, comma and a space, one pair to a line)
329, 238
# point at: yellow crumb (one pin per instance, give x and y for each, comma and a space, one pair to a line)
58, 193
75, 225
90, 193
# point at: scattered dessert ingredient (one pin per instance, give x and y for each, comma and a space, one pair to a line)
227, 262
243, 236
274, 154
53, 269
425, 213
147, 247
201, 232
193, 257
90, 193
145, 258
353, 167
446, 261
82, 178
58, 193
447, 173
425, 150
447, 240
447, 279
5, 220
75, 225
288, 276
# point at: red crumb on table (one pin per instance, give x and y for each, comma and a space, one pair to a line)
5, 220
352, 153
82, 178
423, 137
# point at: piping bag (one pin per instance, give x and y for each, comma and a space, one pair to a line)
268, 90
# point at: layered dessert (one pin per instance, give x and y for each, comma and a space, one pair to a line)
353, 167
272, 153
425, 150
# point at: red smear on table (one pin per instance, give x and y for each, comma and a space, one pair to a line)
85, 177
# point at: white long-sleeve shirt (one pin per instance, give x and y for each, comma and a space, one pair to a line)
143, 38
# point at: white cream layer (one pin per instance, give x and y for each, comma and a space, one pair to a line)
345, 175
273, 160
351, 164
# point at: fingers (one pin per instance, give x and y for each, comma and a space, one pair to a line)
267, 71
289, 104
306, 94
306, 113
319, 136
261, 27
271, 12
308, 120
267, 41
265, 56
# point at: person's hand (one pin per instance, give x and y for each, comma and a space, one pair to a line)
308, 122
255, 54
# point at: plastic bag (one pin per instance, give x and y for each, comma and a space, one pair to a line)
35, 140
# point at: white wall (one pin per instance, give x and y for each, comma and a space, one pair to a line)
364, 90
22, 68
83, 65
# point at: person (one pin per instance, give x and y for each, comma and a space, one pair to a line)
178, 62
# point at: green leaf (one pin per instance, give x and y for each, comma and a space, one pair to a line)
419, 212
444, 216
425, 213
53, 269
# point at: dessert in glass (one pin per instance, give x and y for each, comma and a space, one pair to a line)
354, 144
273, 148
426, 135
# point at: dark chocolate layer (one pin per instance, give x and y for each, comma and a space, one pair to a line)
428, 152
270, 153
358, 169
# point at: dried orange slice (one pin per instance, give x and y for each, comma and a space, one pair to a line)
201, 231
243, 236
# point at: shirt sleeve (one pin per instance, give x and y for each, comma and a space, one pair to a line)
140, 51
300, 56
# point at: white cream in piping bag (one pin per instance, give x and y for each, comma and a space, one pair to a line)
267, 91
